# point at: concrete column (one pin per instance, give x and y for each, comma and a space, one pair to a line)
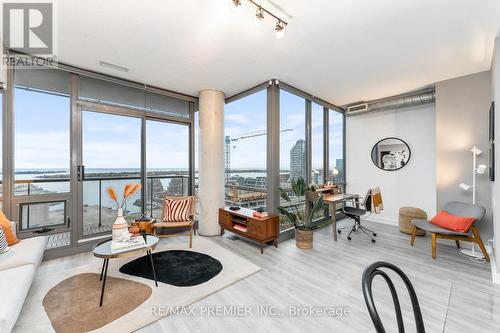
211, 160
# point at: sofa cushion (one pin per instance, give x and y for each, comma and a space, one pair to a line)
5, 224
27, 251
14, 288
3, 242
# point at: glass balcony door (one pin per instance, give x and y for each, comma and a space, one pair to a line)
110, 157
167, 163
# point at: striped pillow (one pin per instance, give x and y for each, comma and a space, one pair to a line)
177, 210
3, 242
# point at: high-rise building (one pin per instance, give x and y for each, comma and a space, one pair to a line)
340, 167
298, 160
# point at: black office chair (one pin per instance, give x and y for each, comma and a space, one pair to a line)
371, 272
356, 213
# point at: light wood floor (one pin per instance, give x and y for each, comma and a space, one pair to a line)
455, 294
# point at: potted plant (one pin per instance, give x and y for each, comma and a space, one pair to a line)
295, 212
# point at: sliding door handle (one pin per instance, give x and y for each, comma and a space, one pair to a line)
80, 173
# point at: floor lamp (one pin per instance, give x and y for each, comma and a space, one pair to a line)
481, 169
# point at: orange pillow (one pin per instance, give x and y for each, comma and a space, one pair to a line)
7, 230
453, 222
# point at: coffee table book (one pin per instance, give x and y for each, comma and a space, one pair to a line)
132, 244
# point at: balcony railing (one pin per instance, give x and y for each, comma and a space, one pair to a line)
99, 211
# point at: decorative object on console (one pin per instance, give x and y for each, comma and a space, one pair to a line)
260, 215
481, 169
391, 154
134, 229
120, 227
296, 213
145, 224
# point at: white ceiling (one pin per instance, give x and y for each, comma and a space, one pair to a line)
339, 50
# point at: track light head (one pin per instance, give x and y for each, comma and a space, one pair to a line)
235, 4
465, 187
259, 16
280, 27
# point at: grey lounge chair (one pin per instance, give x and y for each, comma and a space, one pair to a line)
459, 209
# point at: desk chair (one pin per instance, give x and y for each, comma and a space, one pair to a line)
356, 213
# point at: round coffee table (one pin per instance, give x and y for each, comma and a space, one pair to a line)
103, 250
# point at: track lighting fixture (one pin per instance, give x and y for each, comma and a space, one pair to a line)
235, 4
259, 16
279, 30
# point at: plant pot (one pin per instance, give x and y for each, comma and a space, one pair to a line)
304, 239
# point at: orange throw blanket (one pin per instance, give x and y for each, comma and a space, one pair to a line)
378, 206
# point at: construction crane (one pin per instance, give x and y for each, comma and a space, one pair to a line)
250, 135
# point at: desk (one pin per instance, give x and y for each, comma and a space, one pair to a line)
332, 200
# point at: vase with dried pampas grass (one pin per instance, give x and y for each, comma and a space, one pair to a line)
120, 227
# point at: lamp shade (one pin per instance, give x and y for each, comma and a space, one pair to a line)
481, 169
465, 187
476, 150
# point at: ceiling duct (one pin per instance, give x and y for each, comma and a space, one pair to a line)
416, 98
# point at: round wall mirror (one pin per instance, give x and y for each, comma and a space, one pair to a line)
391, 154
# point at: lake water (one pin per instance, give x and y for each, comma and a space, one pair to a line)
91, 187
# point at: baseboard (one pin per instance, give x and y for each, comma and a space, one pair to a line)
495, 275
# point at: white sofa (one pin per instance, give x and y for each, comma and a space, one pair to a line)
17, 270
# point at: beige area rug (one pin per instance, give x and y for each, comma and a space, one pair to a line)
82, 292
33, 317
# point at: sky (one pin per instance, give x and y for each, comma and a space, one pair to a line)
110, 141
248, 115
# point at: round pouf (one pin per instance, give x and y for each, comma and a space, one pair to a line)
406, 215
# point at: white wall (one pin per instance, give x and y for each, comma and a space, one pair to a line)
415, 184
462, 121
495, 188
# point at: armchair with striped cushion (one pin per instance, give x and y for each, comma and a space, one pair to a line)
177, 214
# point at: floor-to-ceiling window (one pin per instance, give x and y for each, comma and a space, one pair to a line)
317, 145
70, 145
41, 147
111, 150
245, 151
336, 147
131, 136
1, 148
167, 163
293, 154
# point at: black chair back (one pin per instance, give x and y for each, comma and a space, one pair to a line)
367, 202
368, 275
